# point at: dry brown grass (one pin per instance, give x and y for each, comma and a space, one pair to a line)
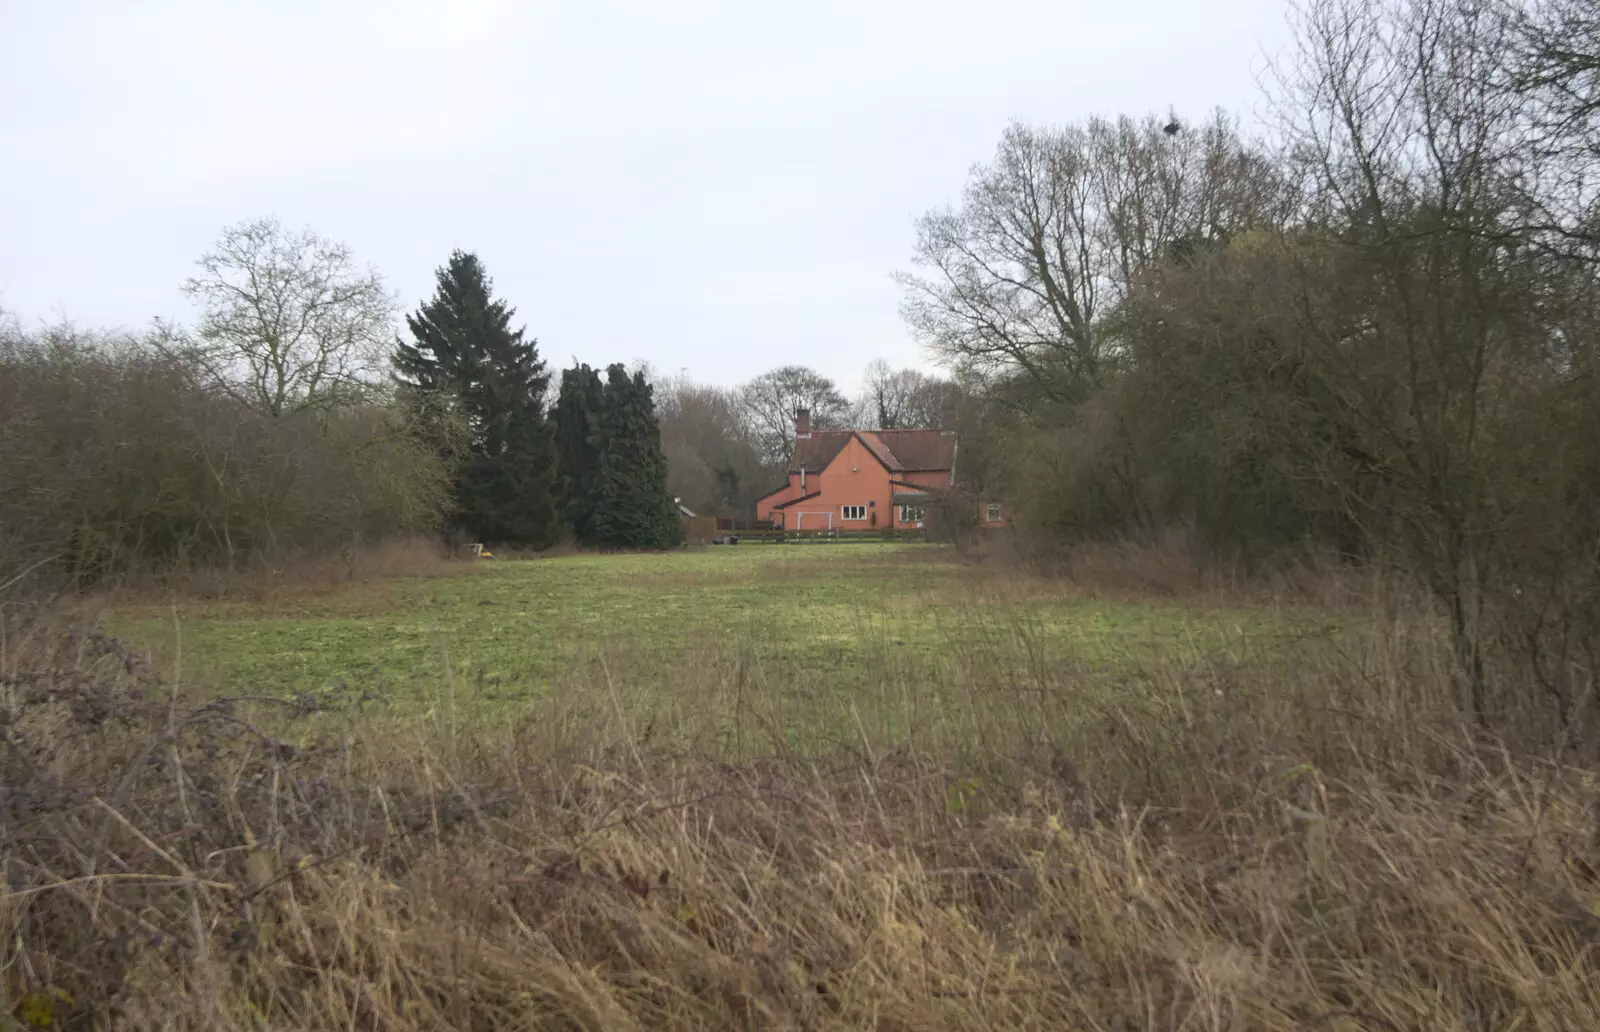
289, 577
1307, 839
1166, 568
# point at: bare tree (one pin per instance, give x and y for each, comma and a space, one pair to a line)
712, 463
1553, 69
898, 399
768, 404
1053, 232
1014, 277
1429, 318
288, 321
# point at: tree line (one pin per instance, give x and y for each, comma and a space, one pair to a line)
1370, 330
292, 419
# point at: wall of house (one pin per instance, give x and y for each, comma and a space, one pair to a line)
764, 505
935, 480
854, 477
766, 508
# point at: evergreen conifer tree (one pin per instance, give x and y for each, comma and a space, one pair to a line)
466, 360
577, 422
631, 507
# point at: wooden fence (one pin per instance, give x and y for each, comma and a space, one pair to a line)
796, 537
700, 530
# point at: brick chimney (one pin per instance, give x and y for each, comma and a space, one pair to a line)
802, 422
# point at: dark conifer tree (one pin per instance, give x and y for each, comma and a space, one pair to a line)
631, 506
577, 422
467, 361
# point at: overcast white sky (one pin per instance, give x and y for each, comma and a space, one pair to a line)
718, 186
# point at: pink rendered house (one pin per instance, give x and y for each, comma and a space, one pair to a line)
861, 479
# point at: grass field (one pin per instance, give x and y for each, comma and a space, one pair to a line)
781, 788
850, 638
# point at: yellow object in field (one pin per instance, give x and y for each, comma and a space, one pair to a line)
485, 554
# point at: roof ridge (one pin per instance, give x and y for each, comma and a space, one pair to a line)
894, 463
880, 450
900, 451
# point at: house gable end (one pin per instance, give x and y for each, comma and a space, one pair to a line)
815, 452
880, 451
845, 455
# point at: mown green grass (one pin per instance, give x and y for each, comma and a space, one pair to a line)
834, 632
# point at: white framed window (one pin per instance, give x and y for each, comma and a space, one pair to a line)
853, 512
912, 514
991, 513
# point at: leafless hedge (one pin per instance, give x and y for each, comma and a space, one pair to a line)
117, 458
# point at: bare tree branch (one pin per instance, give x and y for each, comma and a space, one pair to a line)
1054, 232
288, 322
768, 404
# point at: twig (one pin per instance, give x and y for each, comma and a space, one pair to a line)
647, 810
149, 843
289, 875
1311, 1023
90, 879
28, 570
191, 885
622, 721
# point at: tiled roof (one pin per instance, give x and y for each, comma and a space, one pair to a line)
920, 450
815, 452
902, 451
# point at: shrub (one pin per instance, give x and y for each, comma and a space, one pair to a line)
115, 459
